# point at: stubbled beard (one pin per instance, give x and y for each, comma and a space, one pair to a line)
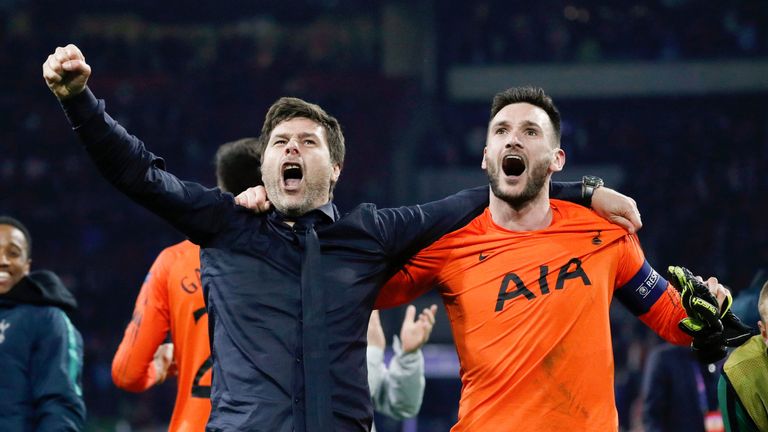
537, 178
313, 192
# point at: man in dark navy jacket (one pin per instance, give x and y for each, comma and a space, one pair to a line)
41, 352
289, 292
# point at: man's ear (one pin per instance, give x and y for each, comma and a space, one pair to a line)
558, 160
336, 172
27, 266
483, 165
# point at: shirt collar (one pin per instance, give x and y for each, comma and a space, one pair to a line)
329, 212
325, 214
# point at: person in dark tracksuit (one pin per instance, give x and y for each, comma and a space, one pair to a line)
41, 352
288, 292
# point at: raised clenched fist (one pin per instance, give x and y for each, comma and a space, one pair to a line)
66, 72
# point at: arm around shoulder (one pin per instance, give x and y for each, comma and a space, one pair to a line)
406, 230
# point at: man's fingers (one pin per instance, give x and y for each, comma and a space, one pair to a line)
721, 293
69, 52
375, 331
260, 192
617, 208
52, 66
60, 55
253, 203
410, 314
242, 198
265, 206
254, 198
716, 289
50, 75
261, 198
65, 60
250, 200
375, 319
74, 52
633, 215
78, 66
428, 315
628, 216
624, 223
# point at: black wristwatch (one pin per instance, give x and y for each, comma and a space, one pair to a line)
588, 185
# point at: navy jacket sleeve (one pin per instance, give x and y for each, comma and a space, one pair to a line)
123, 160
56, 368
406, 230
567, 191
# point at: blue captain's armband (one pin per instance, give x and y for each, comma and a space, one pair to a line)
642, 291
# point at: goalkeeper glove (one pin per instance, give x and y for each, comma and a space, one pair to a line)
703, 322
734, 332
701, 306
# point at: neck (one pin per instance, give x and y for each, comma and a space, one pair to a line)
534, 215
290, 216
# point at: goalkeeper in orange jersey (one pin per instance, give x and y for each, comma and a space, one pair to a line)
527, 287
171, 300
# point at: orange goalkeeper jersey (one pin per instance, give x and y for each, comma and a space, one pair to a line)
170, 299
529, 313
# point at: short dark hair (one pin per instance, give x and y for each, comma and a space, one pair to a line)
287, 108
528, 94
7, 220
238, 165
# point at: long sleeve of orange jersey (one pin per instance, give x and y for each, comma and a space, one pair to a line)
132, 367
648, 295
414, 279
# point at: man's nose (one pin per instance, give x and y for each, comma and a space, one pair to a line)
292, 147
4, 261
514, 141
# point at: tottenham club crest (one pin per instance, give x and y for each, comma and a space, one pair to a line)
3, 327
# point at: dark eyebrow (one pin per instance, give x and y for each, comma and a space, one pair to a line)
528, 123
500, 123
310, 135
524, 123
301, 135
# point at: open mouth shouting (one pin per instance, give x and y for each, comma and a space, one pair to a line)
292, 175
513, 165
